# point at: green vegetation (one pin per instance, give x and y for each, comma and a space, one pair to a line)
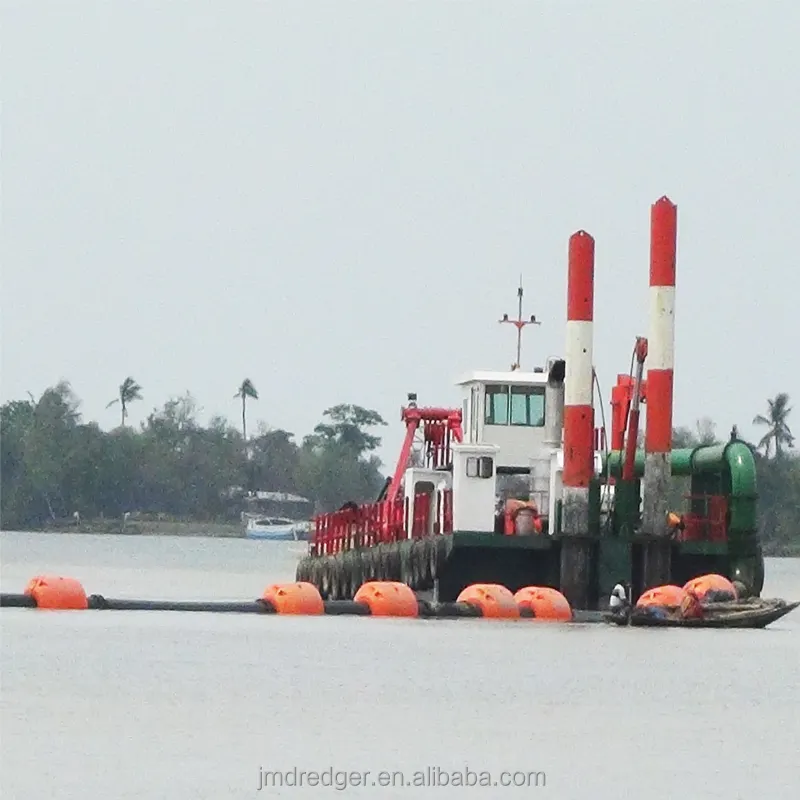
246, 390
129, 391
55, 464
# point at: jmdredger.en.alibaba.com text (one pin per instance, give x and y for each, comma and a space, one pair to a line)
339, 779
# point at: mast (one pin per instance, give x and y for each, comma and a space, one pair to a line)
519, 323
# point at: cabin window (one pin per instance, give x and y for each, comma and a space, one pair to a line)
496, 405
480, 467
515, 405
527, 406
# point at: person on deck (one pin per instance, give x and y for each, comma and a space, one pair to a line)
619, 603
521, 518
676, 524
691, 607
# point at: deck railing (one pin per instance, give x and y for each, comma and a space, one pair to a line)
376, 523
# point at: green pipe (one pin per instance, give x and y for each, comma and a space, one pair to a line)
742, 466
691, 460
680, 460
735, 460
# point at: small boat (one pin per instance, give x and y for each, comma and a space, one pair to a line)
738, 614
303, 531
274, 528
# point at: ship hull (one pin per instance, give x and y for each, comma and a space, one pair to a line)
446, 564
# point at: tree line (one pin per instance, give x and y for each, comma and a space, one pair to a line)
55, 464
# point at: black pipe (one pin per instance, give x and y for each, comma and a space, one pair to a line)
16, 600
337, 608
236, 607
427, 609
448, 610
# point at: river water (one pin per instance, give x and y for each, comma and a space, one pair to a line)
114, 705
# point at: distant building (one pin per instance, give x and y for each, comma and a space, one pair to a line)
279, 504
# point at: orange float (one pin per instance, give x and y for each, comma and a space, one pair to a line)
55, 592
388, 599
494, 600
294, 598
545, 603
668, 596
719, 585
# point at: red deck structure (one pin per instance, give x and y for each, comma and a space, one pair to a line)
390, 519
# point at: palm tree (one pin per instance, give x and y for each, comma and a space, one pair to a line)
778, 431
247, 389
129, 391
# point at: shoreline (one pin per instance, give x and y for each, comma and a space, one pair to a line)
216, 530
231, 530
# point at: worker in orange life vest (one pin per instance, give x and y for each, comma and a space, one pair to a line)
676, 524
515, 508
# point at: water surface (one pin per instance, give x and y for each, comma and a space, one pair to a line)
101, 705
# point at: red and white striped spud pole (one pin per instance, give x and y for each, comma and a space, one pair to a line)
660, 364
578, 379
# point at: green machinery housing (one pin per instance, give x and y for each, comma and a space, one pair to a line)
719, 511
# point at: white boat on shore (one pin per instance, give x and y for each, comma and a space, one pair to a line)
275, 528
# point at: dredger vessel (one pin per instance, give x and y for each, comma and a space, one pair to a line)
520, 486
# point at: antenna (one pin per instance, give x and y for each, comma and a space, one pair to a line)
519, 323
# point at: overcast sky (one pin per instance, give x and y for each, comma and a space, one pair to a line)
337, 199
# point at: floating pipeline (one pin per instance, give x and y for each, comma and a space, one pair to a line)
415, 563
373, 598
